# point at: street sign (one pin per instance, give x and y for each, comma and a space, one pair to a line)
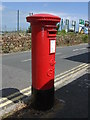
81, 26
67, 25
74, 25
86, 23
86, 27
81, 21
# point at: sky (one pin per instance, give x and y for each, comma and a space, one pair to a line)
45, 0
65, 10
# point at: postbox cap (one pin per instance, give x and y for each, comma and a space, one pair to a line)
43, 17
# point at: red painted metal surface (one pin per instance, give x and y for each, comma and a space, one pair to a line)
43, 62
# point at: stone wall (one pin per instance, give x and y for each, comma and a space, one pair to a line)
71, 39
14, 42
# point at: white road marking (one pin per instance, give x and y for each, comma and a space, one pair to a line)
80, 49
30, 59
83, 48
6, 54
75, 49
25, 60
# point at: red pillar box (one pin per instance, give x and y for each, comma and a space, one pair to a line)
43, 59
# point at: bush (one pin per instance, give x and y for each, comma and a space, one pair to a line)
29, 29
63, 32
85, 38
58, 26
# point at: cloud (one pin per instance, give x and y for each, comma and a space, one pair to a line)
2, 7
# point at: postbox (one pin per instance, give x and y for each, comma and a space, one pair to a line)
43, 37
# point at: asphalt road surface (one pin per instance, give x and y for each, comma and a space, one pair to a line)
16, 68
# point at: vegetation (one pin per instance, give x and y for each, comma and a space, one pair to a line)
29, 29
58, 26
85, 38
70, 38
12, 42
62, 32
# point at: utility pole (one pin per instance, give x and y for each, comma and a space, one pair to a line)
18, 21
5, 28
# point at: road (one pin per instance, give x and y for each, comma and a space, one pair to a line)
16, 68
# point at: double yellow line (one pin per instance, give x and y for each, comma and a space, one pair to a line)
7, 100
69, 75
59, 79
71, 71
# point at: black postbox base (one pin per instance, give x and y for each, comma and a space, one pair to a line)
42, 99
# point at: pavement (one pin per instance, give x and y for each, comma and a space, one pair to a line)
71, 102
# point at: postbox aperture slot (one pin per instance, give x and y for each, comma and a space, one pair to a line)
52, 32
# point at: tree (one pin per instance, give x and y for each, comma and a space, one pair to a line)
29, 29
